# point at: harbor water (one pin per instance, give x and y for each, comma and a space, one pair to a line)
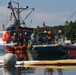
35, 71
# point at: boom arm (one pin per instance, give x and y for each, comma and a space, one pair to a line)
28, 15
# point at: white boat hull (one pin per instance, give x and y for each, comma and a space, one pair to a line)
3, 50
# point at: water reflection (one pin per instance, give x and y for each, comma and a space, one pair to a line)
24, 70
17, 71
60, 71
37, 71
10, 71
48, 71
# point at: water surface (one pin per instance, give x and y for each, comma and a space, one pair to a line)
36, 71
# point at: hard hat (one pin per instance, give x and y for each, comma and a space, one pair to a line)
59, 31
14, 33
25, 33
49, 32
45, 31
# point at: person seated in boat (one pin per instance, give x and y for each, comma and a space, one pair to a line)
56, 38
45, 38
14, 38
49, 37
42, 38
26, 38
34, 38
59, 37
20, 39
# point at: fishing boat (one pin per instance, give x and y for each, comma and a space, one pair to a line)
8, 46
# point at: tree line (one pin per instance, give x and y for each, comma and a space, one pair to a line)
69, 29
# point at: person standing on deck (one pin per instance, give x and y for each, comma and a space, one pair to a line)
34, 38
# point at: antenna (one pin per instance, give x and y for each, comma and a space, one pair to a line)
69, 17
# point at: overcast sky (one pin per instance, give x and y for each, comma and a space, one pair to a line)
52, 12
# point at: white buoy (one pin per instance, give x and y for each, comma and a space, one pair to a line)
9, 59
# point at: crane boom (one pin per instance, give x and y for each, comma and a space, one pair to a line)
28, 15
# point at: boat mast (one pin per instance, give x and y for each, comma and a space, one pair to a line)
17, 19
18, 11
11, 7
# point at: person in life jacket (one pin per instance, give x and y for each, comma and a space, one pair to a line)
49, 37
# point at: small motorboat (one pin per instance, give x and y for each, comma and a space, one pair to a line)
53, 52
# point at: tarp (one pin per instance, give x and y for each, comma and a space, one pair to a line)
13, 27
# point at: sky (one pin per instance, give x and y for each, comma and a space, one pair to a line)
52, 12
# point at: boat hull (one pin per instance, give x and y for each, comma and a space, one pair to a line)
53, 52
2, 51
